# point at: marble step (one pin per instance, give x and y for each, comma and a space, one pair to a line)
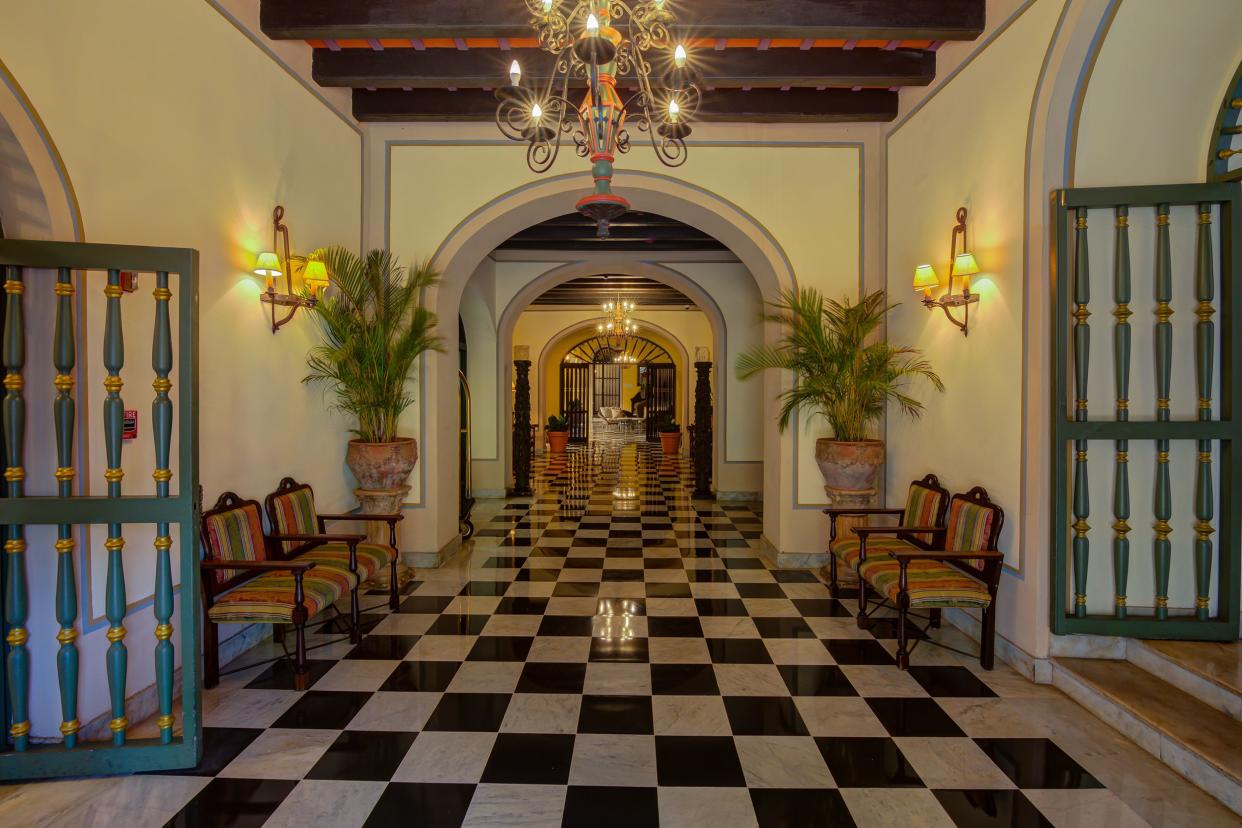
1209, 671
1195, 739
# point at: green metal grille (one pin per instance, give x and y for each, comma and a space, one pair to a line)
1212, 563
64, 270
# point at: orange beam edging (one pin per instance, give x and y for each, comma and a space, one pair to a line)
694, 43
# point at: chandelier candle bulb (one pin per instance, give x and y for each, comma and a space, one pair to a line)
515, 73
592, 26
679, 56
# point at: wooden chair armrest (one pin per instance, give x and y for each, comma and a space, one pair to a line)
933, 555
364, 516
342, 538
895, 530
862, 512
262, 566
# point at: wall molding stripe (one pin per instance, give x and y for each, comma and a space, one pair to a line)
1080, 89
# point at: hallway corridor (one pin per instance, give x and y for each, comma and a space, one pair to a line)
610, 653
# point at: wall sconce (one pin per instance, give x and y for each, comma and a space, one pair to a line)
271, 266
961, 266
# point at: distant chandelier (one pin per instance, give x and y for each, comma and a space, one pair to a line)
618, 320
588, 48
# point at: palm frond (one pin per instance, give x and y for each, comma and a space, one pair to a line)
841, 370
374, 328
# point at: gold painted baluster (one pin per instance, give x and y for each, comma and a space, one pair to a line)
1121, 379
113, 414
1205, 345
1162, 549
16, 598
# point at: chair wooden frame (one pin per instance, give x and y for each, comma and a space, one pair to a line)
959, 560
928, 481
248, 570
288, 485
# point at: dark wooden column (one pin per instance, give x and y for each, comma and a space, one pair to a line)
701, 447
521, 429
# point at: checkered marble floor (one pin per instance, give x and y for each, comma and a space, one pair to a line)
609, 652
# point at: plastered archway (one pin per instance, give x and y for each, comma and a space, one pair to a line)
435, 529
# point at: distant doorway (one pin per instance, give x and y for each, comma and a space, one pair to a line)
617, 386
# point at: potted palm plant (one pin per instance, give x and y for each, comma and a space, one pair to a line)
844, 373
558, 434
374, 328
670, 435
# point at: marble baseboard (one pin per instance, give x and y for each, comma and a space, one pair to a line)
791, 560
1108, 647
489, 494
1038, 670
432, 560
740, 497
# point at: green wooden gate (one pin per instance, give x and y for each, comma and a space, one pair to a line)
1105, 445
64, 271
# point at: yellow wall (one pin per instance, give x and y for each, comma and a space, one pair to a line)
966, 147
176, 130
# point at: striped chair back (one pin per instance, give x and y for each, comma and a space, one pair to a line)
291, 508
974, 523
233, 531
925, 505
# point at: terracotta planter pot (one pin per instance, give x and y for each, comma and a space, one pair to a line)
850, 470
557, 441
382, 465
670, 442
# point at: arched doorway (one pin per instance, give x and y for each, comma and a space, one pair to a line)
619, 381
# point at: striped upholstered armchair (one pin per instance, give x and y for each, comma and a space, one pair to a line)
246, 580
302, 531
961, 569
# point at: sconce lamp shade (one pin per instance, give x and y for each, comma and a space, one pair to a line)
925, 277
965, 265
266, 264
315, 274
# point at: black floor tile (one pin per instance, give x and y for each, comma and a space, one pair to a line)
683, 680
326, 710
484, 588
720, 606
867, 763
738, 651
279, 674
1037, 763
221, 745
420, 803
384, 647
947, 682
458, 625
816, 680
991, 809
886, 628
576, 589
504, 561
784, 628
574, 625
548, 677
600, 807
708, 576
668, 591
858, 651
760, 590
530, 759
674, 626
584, 563
359, 755
913, 717
233, 803
663, 563
800, 808
536, 575
425, 605
821, 608
522, 606
698, 762
469, 712
617, 650
623, 576
620, 606
616, 714
741, 563
794, 576
500, 648
764, 716
421, 676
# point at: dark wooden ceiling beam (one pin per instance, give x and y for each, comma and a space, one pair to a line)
477, 68
862, 19
774, 106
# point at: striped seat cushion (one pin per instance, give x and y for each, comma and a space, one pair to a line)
922, 507
372, 557
235, 535
969, 527
928, 583
295, 515
847, 550
268, 598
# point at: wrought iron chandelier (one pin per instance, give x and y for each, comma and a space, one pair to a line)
587, 47
618, 320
